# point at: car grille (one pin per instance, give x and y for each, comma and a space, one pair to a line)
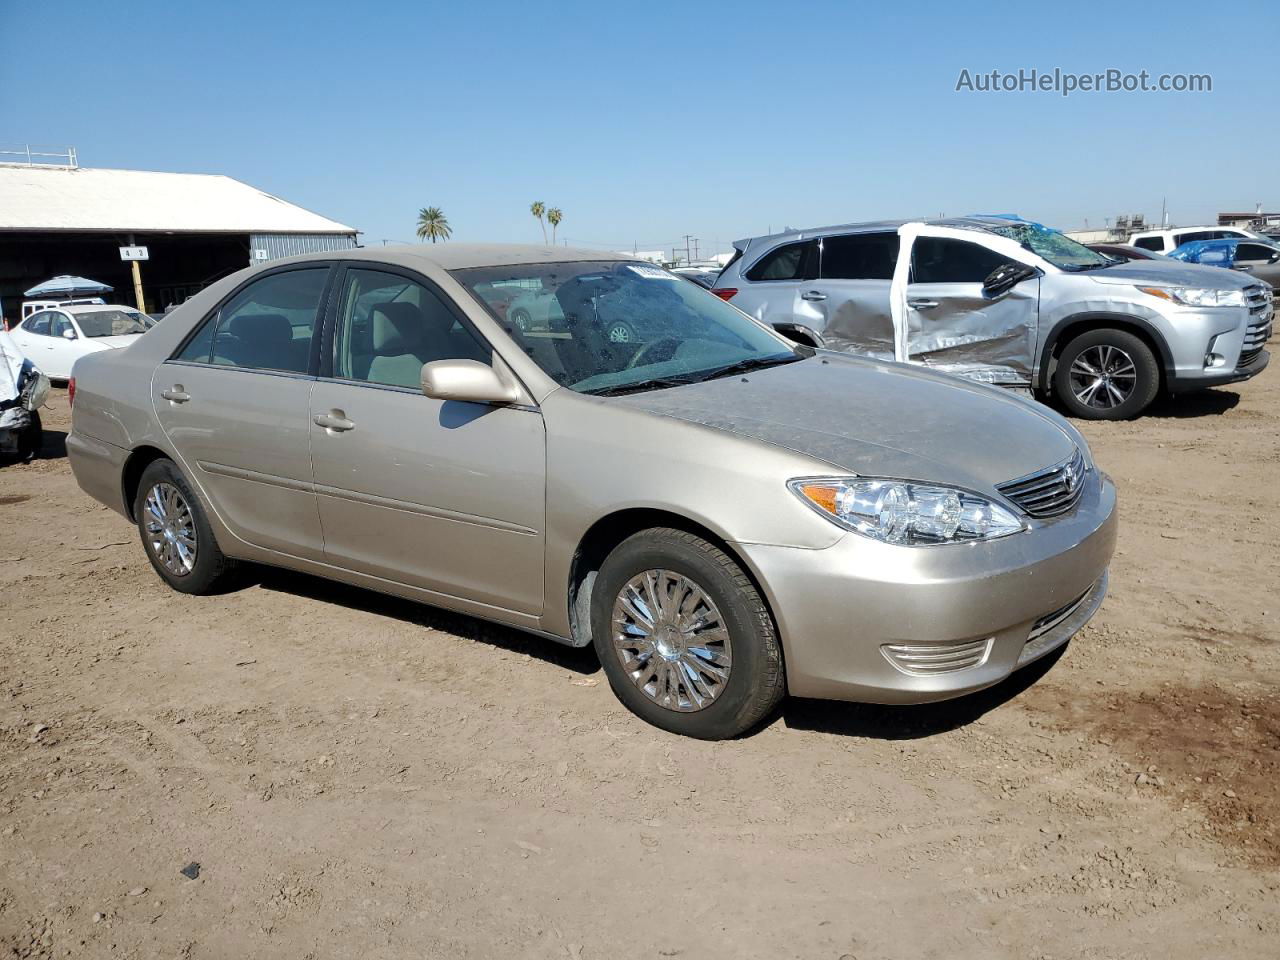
932, 659
1051, 491
1260, 323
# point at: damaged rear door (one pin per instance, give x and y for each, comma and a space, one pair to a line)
943, 317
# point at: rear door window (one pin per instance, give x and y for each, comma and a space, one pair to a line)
1149, 243
944, 260
859, 256
791, 261
39, 323
268, 325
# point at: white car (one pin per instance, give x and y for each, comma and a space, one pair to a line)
56, 338
1166, 241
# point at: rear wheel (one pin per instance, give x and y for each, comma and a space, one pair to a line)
684, 636
520, 317
1106, 375
176, 534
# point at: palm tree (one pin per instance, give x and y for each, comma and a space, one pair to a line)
538, 208
433, 224
554, 216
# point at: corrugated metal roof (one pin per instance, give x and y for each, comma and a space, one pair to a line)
80, 198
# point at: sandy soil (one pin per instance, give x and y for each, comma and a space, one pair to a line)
357, 776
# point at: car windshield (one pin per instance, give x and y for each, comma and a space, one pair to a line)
110, 323
1057, 248
608, 327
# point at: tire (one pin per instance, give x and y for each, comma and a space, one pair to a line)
1132, 381
522, 320
32, 440
210, 571
620, 332
755, 680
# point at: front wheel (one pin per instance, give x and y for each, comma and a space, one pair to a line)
1106, 375
32, 439
176, 534
684, 636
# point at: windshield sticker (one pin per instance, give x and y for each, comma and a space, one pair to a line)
653, 273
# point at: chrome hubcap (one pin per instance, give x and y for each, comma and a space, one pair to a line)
671, 640
619, 334
171, 530
1103, 377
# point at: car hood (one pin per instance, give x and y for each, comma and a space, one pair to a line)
877, 419
1173, 272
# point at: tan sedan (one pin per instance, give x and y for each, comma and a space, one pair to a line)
725, 515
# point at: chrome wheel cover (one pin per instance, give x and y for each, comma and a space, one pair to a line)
620, 333
1103, 377
171, 530
671, 640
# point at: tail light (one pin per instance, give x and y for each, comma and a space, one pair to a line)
71, 392
725, 293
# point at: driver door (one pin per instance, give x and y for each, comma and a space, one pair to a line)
944, 318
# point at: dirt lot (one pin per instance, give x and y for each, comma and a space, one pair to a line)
358, 776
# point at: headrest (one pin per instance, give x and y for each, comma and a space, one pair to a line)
397, 328
261, 329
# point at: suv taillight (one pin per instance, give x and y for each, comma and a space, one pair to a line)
725, 293
71, 392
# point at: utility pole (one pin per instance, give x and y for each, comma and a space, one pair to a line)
137, 282
687, 238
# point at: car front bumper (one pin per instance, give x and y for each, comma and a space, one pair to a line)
872, 622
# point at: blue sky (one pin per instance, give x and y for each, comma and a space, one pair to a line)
645, 122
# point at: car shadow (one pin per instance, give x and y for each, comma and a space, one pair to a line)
581, 660
1199, 403
882, 722
54, 445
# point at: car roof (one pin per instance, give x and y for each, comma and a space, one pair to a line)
976, 222
460, 256
94, 307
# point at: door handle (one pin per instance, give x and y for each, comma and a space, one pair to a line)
335, 421
813, 295
176, 394
922, 304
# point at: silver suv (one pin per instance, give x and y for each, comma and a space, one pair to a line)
1010, 302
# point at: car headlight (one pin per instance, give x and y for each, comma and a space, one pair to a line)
1197, 296
36, 392
895, 511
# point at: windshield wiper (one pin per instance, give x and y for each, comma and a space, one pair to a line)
750, 363
639, 386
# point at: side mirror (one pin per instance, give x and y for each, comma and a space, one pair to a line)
1005, 277
68, 334
468, 381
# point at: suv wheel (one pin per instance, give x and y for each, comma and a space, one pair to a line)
684, 637
176, 533
1106, 375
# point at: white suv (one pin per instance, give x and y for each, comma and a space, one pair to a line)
1165, 241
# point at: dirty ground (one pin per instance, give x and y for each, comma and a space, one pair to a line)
299, 769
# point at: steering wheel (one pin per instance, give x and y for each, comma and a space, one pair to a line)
642, 354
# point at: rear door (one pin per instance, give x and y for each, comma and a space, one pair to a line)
943, 317
778, 286
855, 274
442, 495
234, 403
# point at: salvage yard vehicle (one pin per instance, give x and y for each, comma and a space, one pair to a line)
1008, 302
725, 515
1168, 240
23, 389
58, 337
1258, 259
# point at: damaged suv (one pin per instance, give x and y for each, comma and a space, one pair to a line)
1006, 301
23, 389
